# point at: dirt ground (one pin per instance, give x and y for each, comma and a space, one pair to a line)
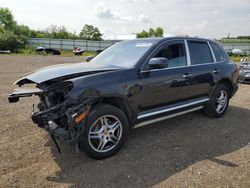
187, 151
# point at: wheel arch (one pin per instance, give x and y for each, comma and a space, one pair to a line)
121, 104
228, 83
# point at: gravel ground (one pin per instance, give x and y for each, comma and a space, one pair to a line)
188, 151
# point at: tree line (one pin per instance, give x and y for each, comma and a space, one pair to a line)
14, 36
245, 37
158, 32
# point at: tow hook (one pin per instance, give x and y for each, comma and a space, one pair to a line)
52, 125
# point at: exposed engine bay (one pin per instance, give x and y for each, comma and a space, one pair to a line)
62, 117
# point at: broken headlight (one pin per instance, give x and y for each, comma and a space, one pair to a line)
56, 94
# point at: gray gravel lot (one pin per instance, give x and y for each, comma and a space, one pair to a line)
187, 151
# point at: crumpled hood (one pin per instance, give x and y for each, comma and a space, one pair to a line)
64, 71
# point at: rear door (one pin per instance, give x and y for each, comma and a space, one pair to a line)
203, 67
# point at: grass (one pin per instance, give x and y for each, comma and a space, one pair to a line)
237, 58
67, 53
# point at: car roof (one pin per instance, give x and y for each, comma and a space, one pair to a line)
161, 39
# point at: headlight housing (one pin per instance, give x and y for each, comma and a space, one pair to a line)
57, 93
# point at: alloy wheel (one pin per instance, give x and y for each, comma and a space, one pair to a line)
221, 101
105, 133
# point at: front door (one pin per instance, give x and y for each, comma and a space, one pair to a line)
170, 84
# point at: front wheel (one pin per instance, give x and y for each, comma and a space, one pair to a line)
218, 103
105, 132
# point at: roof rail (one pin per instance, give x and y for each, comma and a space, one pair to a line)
181, 35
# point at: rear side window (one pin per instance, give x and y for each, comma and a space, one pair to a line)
217, 52
199, 52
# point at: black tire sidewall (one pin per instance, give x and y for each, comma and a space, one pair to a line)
241, 79
210, 109
97, 112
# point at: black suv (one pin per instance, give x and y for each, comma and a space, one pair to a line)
130, 84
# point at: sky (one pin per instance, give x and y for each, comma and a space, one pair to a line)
117, 18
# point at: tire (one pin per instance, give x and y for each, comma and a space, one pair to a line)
212, 108
241, 79
105, 132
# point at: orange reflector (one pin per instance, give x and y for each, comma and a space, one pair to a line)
81, 117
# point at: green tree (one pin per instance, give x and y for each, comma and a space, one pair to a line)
21, 30
10, 41
158, 32
89, 32
143, 34
12, 35
57, 32
6, 19
63, 33
151, 32
243, 37
1, 29
37, 34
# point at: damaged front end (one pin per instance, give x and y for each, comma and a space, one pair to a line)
59, 114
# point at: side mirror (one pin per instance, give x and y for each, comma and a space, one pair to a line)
158, 63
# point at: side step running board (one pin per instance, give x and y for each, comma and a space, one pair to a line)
170, 108
166, 117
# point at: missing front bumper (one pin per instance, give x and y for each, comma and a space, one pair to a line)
68, 129
20, 92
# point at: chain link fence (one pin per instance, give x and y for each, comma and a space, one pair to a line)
69, 44
93, 46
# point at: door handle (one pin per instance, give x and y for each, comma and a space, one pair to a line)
216, 71
187, 75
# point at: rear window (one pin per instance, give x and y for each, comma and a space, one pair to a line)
199, 52
217, 52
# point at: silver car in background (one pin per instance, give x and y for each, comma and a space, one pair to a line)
244, 76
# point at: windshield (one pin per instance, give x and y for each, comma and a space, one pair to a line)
125, 54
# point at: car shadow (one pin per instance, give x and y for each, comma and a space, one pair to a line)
156, 152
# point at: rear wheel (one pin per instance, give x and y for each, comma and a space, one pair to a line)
105, 132
241, 79
218, 103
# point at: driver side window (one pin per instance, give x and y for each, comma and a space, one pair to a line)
175, 54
